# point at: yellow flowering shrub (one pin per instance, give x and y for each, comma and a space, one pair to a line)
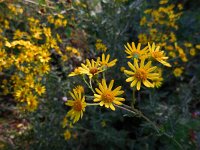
26, 53
161, 25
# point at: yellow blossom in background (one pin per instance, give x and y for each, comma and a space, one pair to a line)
158, 55
134, 52
158, 82
72, 51
192, 52
143, 38
106, 96
105, 61
100, 46
32, 102
79, 89
198, 46
187, 44
66, 123
122, 69
67, 135
141, 73
77, 105
163, 2
178, 72
143, 21
40, 89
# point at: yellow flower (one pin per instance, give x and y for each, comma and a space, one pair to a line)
178, 71
104, 62
141, 74
198, 46
32, 102
158, 55
21, 93
192, 52
78, 105
79, 89
44, 57
107, 96
134, 52
143, 21
187, 44
122, 69
43, 69
100, 46
158, 82
163, 2
75, 72
91, 68
67, 135
143, 38
40, 89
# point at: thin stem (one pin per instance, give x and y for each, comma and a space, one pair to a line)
140, 114
91, 86
173, 139
126, 106
104, 76
92, 104
89, 96
121, 107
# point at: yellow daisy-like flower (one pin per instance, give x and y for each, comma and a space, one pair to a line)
79, 89
67, 135
141, 74
134, 52
178, 71
107, 96
75, 72
158, 82
39, 89
78, 105
105, 61
158, 55
91, 68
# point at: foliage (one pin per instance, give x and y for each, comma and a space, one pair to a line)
61, 60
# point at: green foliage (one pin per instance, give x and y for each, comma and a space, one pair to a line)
173, 108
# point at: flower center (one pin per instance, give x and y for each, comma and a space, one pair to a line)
77, 105
135, 54
93, 70
141, 74
157, 54
107, 97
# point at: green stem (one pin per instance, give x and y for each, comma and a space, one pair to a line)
89, 84
92, 104
140, 114
125, 109
104, 74
89, 96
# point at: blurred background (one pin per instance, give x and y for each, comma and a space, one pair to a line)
42, 41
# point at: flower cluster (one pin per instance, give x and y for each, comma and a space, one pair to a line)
160, 25
142, 72
103, 95
26, 53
